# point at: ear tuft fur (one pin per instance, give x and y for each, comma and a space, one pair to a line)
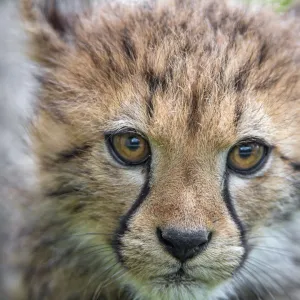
54, 16
51, 25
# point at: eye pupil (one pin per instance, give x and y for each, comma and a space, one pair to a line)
245, 151
133, 143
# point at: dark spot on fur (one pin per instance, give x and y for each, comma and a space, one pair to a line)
189, 176
58, 22
238, 113
240, 79
242, 27
274, 74
187, 48
94, 218
128, 45
91, 52
150, 106
78, 207
296, 166
62, 191
53, 110
112, 69
284, 158
40, 78
76, 152
154, 82
266, 84
193, 116
183, 26
207, 48
262, 54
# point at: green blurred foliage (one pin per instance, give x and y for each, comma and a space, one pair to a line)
278, 5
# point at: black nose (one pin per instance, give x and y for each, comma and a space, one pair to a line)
184, 244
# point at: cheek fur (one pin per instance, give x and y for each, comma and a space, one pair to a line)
259, 199
94, 201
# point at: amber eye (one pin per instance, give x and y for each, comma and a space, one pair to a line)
130, 148
247, 158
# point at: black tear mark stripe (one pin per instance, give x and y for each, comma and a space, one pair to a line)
123, 227
234, 216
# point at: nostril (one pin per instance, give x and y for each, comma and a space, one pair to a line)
162, 239
203, 242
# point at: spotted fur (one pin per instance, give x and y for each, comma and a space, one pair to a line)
195, 78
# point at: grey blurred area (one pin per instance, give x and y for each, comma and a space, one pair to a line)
294, 10
16, 107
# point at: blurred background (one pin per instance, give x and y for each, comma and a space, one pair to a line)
278, 5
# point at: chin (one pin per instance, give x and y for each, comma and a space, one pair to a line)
175, 290
176, 286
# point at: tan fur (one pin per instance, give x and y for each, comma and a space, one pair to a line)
194, 78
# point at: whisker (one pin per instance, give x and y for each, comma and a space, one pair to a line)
114, 277
239, 277
102, 285
93, 233
105, 250
259, 264
283, 252
94, 246
252, 286
96, 277
267, 277
254, 237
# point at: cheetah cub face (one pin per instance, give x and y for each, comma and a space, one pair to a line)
167, 139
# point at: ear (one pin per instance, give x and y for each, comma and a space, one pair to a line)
51, 25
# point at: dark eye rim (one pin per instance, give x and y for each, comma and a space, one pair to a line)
257, 167
114, 153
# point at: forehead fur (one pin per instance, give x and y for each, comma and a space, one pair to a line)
138, 66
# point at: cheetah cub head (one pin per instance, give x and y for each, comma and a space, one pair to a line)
167, 139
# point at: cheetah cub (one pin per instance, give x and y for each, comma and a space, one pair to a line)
166, 139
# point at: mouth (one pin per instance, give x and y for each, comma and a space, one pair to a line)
179, 277
177, 284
